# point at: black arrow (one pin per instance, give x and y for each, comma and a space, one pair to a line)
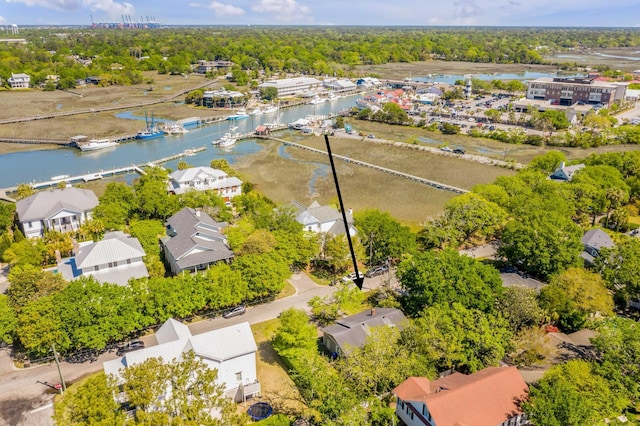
358, 280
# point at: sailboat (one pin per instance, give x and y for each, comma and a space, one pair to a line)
151, 131
276, 121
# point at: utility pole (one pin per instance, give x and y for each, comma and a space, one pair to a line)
55, 356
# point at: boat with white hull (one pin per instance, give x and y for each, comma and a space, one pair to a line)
96, 144
228, 139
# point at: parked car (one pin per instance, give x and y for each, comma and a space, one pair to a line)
238, 310
130, 346
458, 151
376, 270
492, 127
371, 136
446, 148
351, 277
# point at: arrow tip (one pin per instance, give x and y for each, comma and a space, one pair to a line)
359, 282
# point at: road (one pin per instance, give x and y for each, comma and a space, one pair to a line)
25, 402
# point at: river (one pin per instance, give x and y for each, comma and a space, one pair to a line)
38, 166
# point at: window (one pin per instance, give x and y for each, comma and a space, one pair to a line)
96, 268
30, 225
239, 376
110, 264
128, 261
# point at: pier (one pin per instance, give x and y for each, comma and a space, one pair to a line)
88, 177
432, 183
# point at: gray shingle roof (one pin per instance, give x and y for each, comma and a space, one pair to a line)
352, 331
196, 240
45, 204
597, 239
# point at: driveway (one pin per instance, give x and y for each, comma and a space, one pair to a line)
25, 402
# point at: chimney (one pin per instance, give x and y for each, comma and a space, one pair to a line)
350, 211
373, 312
76, 248
58, 257
562, 165
197, 212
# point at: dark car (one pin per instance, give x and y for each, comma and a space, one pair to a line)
458, 151
130, 346
238, 310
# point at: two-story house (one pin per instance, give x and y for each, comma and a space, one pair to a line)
594, 240
230, 350
116, 258
318, 219
194, 241
202, 179
19, 81
489, 397
62, 210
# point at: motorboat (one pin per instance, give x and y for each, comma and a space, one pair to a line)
240, 114
96, 144
256, 111
270, 109
317, 100
228, 139
175, 129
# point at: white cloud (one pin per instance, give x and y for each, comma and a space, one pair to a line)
283, 10
112, 8
221, 10
3, 21
466, 12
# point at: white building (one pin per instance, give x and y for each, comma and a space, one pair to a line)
340, 86
19, 81
293, 86
229, 350
317, 218
116, 259
202, 179
62, 210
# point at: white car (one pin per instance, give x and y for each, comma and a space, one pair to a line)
446, 149
352, 276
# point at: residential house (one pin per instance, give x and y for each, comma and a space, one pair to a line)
292, 86
204, 67
116, 258
194, 241
19, 81
594, 240
229, 350
565, 173
202, 179
317, 218
352, 331
488, 397
62, 210
222, 98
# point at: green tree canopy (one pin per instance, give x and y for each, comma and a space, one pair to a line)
383, 237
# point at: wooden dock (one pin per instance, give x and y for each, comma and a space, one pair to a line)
88, 177
428, 182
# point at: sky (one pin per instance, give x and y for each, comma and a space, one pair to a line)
575, 13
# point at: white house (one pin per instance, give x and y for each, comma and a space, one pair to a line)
489, 397
62, 210
229, 350
202, 179
565, 173
117, 258
292, 86
317, 218
19, 81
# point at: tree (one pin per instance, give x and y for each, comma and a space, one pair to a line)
456, 337
264, 273
541, 243
383, 237
7, 213
153, 201
574, 294
116, 206
269, 93
91, 402
557, 119
570, 394
40, 326
8, 321
26, 252
519, 306
294, 334
24, 190
223, 164
194, 392
547, 163
620, 268
29, 283
447, 277
381, 364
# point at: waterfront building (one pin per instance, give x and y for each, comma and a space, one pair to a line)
293, 86
575, 90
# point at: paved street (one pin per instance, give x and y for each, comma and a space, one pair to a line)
24, 402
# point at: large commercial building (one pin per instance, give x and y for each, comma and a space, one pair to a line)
292, 86
575, 90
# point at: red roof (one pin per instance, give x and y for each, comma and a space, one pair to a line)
485, 398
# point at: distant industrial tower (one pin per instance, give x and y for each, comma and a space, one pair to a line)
468, 89
14, 29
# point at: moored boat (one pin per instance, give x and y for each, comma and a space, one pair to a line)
151, 131
96, 144
240, 114
228, 139
174, 129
